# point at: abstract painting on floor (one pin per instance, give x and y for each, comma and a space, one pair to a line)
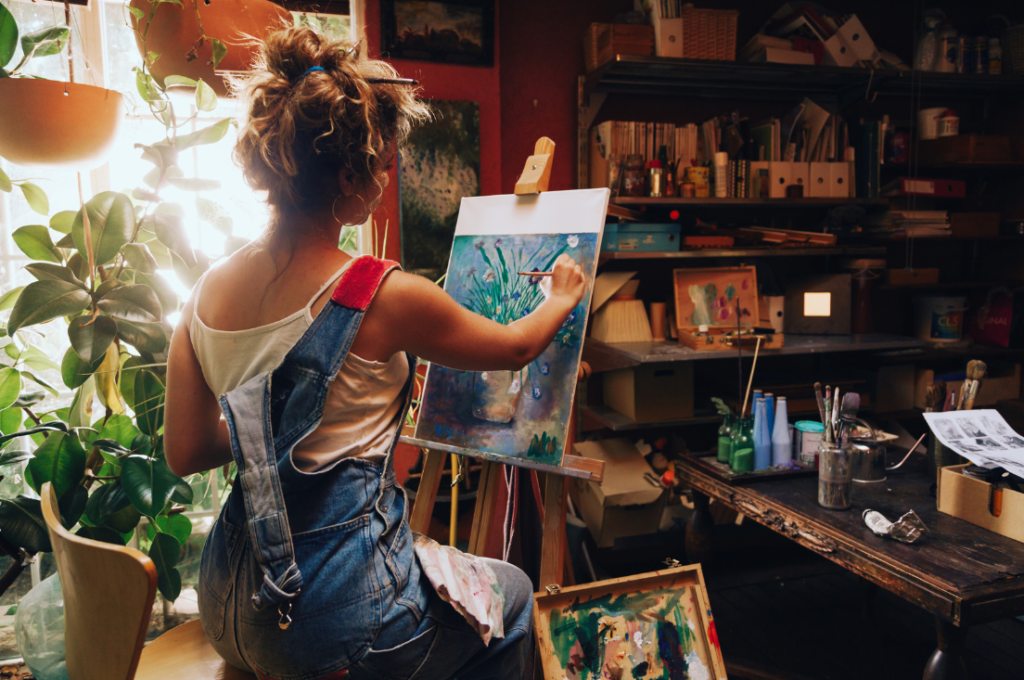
438, 167
655, 626
521, 415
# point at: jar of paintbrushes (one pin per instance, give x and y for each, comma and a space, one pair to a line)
835, 458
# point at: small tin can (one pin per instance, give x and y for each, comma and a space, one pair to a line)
981, 54
950, 53
688, 190
809, 436
965, 59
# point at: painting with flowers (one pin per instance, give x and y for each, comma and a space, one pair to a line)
521, 414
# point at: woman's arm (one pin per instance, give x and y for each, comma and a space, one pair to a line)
412, 314
195, 436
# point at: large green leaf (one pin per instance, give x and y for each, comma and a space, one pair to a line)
111, 222
10, 386
46, 270
8, 299
45, 300
107, 500
149, 402
91, 336
11, 456
74, 371
72, 505
208, 135
11, 419
60, 460
168, 298
145, 337
215, 214
101, 534
171, 232
8, 37
127, 384
138, 257
63, 221
36, 198
34, 240
38, 360
179, 81
119, 428
165, 552
220, 50
42, 383
206, 98
45, 42
124, 520
22, 523
5, 181
148, 482
178, 526
136, 302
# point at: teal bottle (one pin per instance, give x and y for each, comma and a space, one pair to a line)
725, 439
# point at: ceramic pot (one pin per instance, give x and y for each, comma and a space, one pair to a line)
174, 31
496, 395
41, 125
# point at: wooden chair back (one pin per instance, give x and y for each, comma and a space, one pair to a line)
108, 595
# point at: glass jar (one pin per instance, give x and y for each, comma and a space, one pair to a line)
725, 438
742, 441
633, 176
835, 475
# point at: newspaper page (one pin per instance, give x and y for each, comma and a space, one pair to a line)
982, 437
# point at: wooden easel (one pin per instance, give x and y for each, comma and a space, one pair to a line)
535, 179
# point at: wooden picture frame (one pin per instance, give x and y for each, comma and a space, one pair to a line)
430, 31
642, 637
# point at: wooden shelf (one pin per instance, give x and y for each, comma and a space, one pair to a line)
753, 251
617, 422
605, 356
678, 202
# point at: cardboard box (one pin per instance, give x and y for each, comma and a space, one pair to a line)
651, 393
914, 277
643, 238
1000, 382
974, 500
625, 503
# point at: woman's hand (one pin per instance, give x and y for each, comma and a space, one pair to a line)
566, 281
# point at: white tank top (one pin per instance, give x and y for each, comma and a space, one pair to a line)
363, 402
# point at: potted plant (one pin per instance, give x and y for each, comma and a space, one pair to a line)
200, 39
46, 122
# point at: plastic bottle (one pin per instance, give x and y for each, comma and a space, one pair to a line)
762, 437
927, 50
721, 174
725, 439
769, 404
782, 446
995, 57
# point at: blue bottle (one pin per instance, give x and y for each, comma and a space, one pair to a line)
769, 405
762, 437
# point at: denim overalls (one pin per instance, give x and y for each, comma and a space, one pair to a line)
305, 576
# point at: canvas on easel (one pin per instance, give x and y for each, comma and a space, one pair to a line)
517, 416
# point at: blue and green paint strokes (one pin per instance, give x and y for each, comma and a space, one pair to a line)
483, 276
631, 636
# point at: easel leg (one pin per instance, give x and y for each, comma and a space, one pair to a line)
552, 550
483, 513
423, 507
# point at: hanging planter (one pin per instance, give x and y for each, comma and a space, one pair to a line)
48, 122
202, 37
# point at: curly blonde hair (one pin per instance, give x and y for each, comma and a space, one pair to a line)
302, 128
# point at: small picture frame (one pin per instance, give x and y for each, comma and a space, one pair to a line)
442, 31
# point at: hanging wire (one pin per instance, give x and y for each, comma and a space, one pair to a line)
71, 42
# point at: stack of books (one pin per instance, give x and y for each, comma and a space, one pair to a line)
910, 223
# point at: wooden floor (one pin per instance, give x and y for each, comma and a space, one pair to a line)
795, 615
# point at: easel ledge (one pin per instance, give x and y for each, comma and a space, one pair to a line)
579, 467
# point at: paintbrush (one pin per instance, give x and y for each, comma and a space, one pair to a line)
536, 273
835, 413
827, 423
821, 402
975, 372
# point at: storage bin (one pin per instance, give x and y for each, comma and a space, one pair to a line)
644, 238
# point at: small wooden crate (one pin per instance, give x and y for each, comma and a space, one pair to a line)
731, 284
639, 618
969, 149
604, 41
709, 33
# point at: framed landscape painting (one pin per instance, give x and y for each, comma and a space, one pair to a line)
449, 31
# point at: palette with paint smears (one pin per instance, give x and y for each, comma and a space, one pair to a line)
654, 625
720, 299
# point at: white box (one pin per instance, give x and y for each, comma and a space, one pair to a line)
820, 180
800, 175
850, 44
841, 185
780, 175
668, 37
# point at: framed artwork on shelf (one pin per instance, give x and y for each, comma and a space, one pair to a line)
443, 31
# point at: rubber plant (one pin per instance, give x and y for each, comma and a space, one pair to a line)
96, 273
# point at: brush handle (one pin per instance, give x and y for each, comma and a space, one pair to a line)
536, 273
972, 394
821, 402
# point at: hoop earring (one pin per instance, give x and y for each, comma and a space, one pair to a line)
334, 203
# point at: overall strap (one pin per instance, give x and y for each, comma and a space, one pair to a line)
248, 412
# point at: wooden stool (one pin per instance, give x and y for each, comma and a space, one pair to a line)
108, 595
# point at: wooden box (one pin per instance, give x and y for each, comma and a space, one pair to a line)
919, 276
1002, 381
603, 41
973, 149
976, 501
642, 611
651, 393
709, 297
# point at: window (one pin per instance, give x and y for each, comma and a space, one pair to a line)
104, 52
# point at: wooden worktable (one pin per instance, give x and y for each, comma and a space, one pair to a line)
959, 572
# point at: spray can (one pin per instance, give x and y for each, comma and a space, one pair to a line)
965, 58
981, 54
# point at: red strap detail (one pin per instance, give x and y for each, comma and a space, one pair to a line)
360, 281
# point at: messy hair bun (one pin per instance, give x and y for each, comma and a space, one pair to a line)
302, 128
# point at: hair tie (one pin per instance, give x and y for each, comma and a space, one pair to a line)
308, 71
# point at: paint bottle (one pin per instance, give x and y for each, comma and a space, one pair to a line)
757, 395
725, 439
782, 444
769, 405
762, 438
742, 439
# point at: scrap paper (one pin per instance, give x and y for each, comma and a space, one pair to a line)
982, 437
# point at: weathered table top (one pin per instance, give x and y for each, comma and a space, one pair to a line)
957, 571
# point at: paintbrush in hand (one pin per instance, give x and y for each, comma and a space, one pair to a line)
975, 372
